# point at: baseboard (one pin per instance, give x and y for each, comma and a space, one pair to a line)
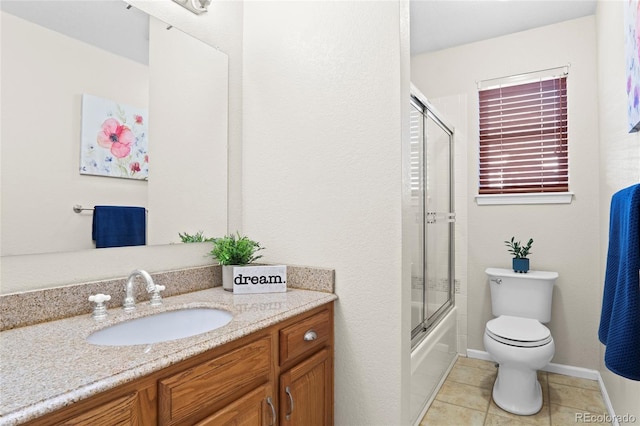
567, 370
607, 401
476, 354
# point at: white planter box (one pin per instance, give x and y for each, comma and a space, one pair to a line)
254, 279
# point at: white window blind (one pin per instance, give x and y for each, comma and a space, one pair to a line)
417, 130
415, 152
524, 138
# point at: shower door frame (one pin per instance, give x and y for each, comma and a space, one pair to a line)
419, 332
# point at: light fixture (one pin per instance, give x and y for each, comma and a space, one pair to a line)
196, 6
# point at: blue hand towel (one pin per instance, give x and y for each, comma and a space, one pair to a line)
620, 318
116, 226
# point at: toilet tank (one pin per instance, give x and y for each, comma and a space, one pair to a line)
521, 295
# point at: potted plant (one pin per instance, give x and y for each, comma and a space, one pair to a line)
520, 252
231, 251
198, 237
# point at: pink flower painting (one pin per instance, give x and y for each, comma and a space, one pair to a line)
114, 139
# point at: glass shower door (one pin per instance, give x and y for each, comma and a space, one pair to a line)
439, 216
432, 219
417, 168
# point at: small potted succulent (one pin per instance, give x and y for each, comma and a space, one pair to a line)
520, 252
232, 251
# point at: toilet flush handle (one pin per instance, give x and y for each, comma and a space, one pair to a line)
497, 280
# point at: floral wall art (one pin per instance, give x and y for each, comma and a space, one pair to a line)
114, 139
632, 57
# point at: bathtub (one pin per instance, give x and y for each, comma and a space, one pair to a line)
431, 361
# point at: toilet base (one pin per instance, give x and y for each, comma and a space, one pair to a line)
517, 390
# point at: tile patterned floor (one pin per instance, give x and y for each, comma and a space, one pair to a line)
465, 399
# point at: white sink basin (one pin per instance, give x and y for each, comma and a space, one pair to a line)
161, 327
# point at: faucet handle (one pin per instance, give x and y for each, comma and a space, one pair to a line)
100, 310
156, 299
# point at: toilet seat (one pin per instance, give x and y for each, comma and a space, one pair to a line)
517, 331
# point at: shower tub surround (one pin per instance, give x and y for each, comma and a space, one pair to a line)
58, 366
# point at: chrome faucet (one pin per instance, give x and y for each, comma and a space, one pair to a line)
129, 299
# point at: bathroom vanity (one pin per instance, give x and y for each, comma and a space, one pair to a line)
271, 365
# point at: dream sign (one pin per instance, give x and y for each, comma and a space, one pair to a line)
259, 279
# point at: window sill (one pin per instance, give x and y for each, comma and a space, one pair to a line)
513, 199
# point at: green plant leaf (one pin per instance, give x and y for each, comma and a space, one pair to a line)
235, 250
196, 238
517, 249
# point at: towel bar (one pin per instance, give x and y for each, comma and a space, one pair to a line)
78, 208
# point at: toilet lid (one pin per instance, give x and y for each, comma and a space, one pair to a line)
516, 331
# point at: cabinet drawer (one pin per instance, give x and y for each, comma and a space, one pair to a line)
123, 410
201, 389
305, 337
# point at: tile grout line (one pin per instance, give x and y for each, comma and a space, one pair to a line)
548, 396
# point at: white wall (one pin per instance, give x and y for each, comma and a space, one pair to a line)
325, 96
44, 75
565, 236
619, 164
222, 27
188, 180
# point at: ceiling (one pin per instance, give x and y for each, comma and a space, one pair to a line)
435, 24
107, 24
440, 24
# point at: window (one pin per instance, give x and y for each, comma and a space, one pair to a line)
523, 138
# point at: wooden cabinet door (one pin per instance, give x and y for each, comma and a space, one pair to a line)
131, 408
306, 392
204, 388
121, 411
254, 409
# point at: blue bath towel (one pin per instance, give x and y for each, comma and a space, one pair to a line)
116, 226
620, 318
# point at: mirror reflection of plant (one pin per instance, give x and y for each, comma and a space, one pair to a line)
235, 250
198, 237
518, 250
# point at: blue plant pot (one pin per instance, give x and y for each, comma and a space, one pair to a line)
521, 265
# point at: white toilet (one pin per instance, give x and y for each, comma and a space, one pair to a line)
516, 338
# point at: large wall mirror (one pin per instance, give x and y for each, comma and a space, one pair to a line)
53, 52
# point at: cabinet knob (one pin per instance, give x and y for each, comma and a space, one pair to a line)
310, 335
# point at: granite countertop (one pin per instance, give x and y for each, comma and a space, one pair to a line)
48, 366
